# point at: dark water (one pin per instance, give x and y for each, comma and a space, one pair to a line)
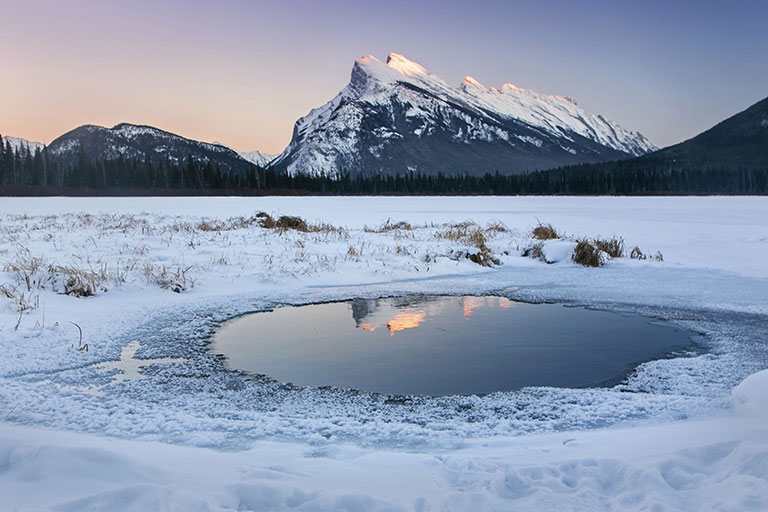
443, 345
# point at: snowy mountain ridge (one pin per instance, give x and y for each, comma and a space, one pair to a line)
388, 109
132, 141
256, 157
131, 132
19, 143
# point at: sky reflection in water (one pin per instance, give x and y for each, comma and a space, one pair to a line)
443, 345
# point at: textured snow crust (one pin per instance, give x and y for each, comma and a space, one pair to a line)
666, 435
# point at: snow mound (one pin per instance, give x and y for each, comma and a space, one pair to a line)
555, 251
750, 398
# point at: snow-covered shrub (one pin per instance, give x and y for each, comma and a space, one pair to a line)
637, 254
282, 223
389, 226
535, 252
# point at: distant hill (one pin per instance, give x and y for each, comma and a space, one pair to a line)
135, 142
741, 141
729, 158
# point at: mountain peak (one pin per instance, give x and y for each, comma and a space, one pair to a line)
472, 81
402, 65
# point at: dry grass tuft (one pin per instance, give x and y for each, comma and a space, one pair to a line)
389, 226
214, 226
22, 301
470, 234
403, 250
545, 232
613, 247
637, 254
587, 254
496, 227
176, 282
80, 283
282, 223
287, 222
328, 229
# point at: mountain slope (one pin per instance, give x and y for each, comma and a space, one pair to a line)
740, 140
396, 117
139, 142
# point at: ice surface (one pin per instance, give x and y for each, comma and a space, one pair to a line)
534, 449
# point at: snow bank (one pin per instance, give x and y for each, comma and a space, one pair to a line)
750, 397
705, 465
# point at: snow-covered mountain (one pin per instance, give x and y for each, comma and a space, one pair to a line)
396, 117
138, 142
257, 157
19, 143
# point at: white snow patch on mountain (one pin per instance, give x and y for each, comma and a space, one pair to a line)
18, 143
257, 157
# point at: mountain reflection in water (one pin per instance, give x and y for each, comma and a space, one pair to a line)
400, 313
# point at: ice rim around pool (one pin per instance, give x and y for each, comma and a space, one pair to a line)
197, 400
444, 345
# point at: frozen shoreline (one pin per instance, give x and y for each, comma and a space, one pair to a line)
713, 279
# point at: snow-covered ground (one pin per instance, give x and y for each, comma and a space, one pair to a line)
196, 436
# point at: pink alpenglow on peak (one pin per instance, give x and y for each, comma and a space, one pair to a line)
366, 59
472, 81
405, 66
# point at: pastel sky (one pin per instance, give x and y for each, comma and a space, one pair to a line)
241, 72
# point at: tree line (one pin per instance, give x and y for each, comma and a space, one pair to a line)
23, 172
